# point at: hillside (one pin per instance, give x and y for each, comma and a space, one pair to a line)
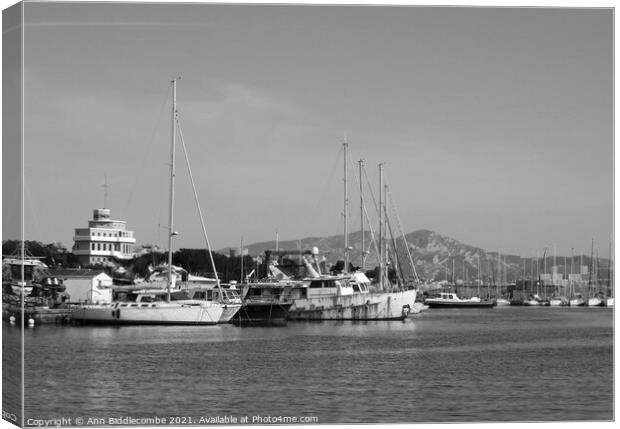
435, 256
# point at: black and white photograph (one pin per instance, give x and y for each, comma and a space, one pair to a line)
231, 214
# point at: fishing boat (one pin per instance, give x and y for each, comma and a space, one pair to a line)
451, 300
156, 306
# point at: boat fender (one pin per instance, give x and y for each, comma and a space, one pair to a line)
31, 322
118, 313
12, 320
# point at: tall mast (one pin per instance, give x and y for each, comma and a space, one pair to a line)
381, 256
345, 146
572, 262
361, 165
171, 232
241, 268
611, 287
385, 230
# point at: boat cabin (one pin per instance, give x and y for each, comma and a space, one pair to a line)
276, 291
339, 286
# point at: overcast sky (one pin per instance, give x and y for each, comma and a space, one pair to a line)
495, 124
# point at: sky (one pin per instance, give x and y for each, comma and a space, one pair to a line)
495, 125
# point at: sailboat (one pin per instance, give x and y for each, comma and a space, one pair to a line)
156, 306
348, 295
594, 300
500, 300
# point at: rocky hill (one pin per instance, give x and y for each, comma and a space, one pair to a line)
435, 257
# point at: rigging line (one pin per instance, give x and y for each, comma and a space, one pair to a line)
319, 204
373, 242
372, 195
400, 228
202, 222
146, 153
399, 267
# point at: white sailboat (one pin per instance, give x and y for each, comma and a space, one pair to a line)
156, 306
594, 300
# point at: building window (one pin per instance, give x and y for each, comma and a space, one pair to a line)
98, 246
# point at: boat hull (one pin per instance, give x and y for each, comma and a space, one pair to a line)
609, 302
262, 314
229, 312
357, 306
595, 302
162, 314
461, 304
577, 303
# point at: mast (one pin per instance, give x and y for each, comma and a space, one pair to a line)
345, 146
572, 263
387, 232
610, 285
171, 232
241, 268
591, 269
361, 165
381, 256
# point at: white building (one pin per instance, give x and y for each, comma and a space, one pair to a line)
104, 241
85, 286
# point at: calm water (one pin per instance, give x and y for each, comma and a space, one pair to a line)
504, 364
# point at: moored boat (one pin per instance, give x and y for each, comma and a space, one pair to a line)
266, 303
500, 302
451, 300
560, 301
151, 306
595, 301
348, 297
577, 301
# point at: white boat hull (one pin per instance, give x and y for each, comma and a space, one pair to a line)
358, 306
501, 301
162, 313
578, 302
609, 302
229, 311
557, 302
595, 302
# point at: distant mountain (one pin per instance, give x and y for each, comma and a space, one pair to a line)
435, 257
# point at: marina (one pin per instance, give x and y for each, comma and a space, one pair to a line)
525, 364
302, 214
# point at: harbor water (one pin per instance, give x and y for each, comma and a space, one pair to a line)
459, 365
